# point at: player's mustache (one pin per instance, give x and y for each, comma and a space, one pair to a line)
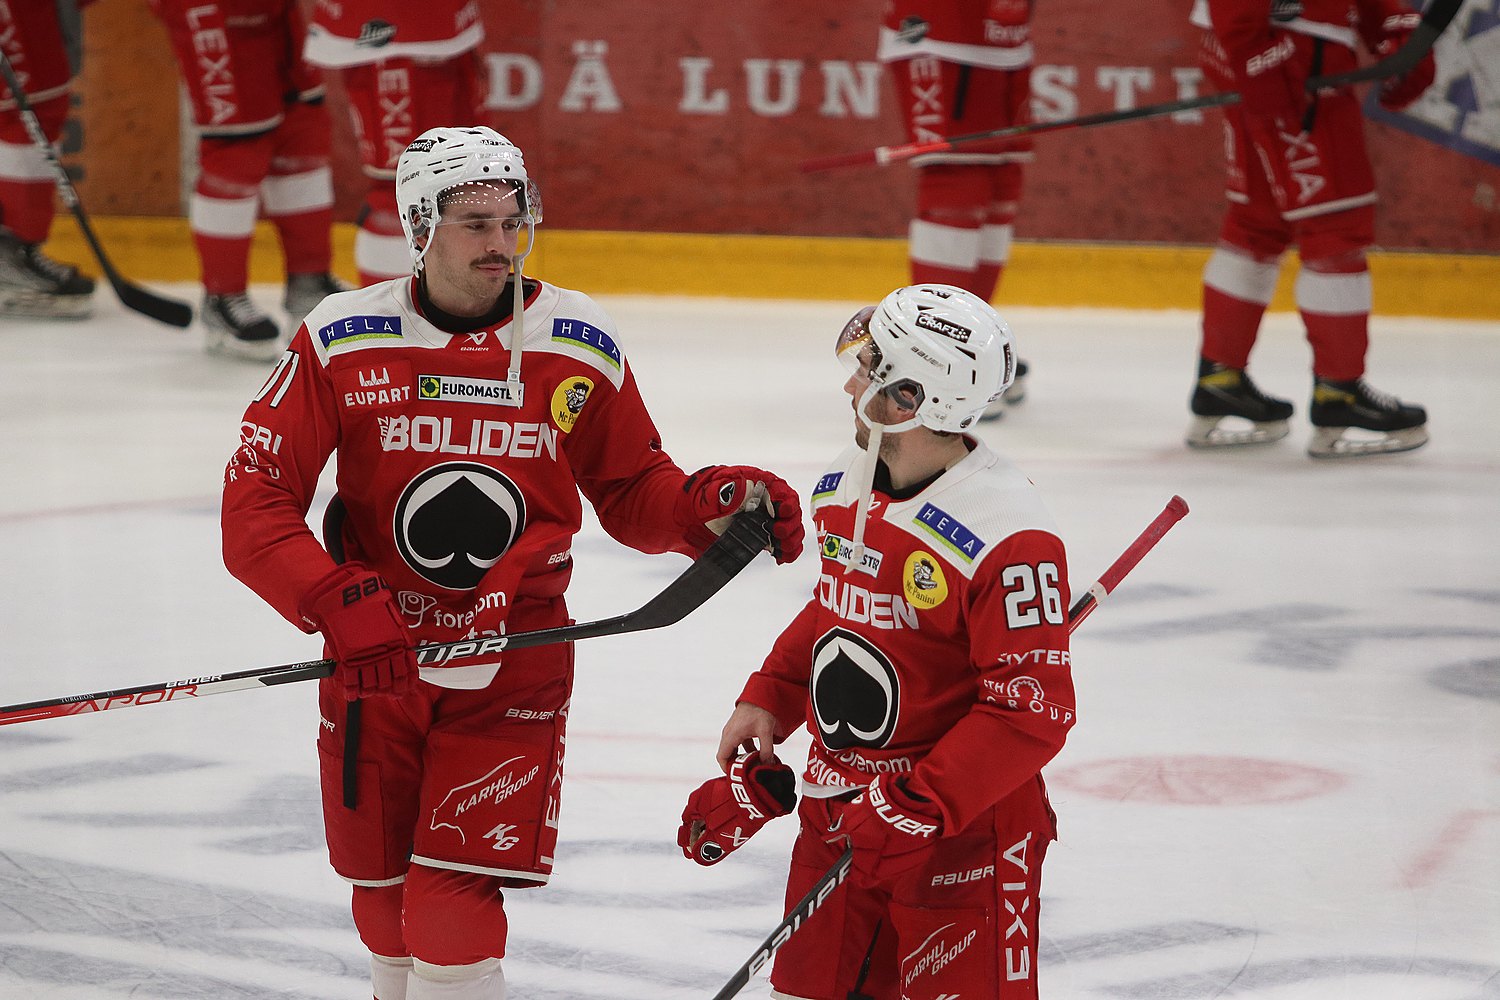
489, 259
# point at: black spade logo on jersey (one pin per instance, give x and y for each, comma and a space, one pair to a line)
455, 521
855, 693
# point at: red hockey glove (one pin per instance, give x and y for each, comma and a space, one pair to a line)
1392, 32
712, 494
356, 614
891, 831
1269, 89
725, 812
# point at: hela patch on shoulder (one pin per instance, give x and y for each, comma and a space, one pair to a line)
590, 338
828, 485
950, 531
451, 389
353, 328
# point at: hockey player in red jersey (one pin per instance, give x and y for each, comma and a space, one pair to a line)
1298, 174
406, 67
263, 150
468, 407
959, 67
31, 283
931, 667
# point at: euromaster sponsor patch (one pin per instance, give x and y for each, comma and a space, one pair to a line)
486, 391
840, 550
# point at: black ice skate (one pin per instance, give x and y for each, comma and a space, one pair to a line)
1014, 393
1338, 407
1221, 392
33, 284
235, 327
304, 292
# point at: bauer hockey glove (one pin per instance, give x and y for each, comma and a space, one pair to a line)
712, 494
1384, 38
891, 830
365, 633
725, 812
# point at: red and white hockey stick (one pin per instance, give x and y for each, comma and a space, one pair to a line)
1434, 20
747, 535
1175, 510
132, 296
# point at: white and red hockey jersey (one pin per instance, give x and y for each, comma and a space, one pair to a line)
943, 655
356, 32
992, 33
462, 489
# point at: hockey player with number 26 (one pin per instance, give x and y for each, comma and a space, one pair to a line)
468, 406
931, 667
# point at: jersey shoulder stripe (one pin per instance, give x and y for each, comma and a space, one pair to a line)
567, 322
969, 512
377, 316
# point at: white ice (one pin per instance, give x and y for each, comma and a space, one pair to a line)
1285, 781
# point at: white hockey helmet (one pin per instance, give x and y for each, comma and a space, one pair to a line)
939, 351
442, 159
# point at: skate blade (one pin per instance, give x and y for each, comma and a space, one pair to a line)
227, 345
1334, 442
1206, 432
40, 305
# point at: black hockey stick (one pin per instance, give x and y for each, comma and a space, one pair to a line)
1174, 511
748, 533
1434, 20
133, 296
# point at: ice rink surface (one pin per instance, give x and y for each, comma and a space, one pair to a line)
1284, 784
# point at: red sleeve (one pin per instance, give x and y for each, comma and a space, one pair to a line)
289, 431
1023, 698
632, 484
780, 685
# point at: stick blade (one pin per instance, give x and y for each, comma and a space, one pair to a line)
747, 535
160, 308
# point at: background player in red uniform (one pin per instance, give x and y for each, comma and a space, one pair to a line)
406, 67
1298, 174
931, 667
466, 420
263, 149
31, 283
963, 66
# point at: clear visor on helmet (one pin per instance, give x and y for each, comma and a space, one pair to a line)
503, 210
853, 339
860, 355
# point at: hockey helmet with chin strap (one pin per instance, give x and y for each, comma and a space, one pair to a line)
437, 165
937, 351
